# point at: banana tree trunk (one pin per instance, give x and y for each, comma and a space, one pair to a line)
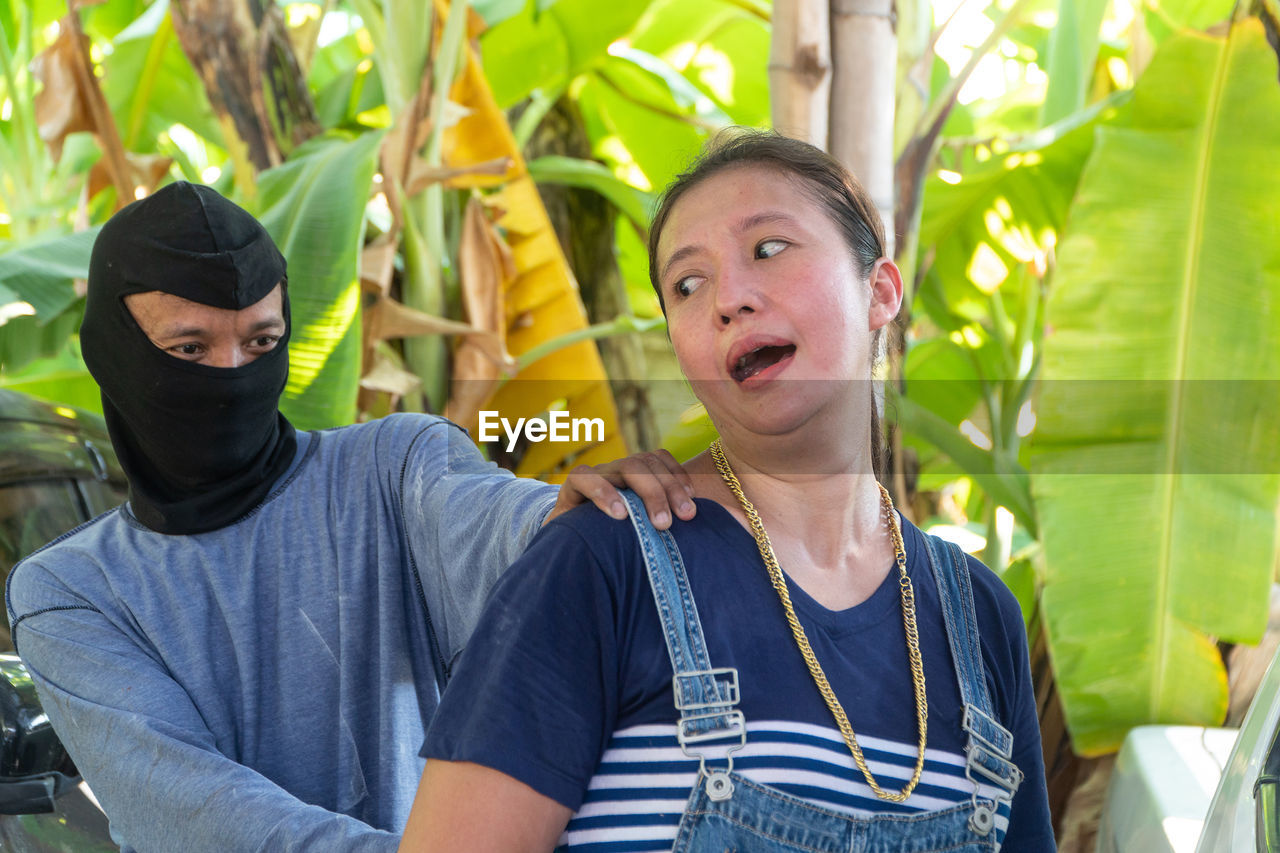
584, 221
242, 52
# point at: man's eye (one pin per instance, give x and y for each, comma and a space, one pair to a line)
265, 341
187, 349
769, 248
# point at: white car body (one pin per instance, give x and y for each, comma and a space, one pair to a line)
1188, 789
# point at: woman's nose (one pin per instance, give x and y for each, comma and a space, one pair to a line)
737, 293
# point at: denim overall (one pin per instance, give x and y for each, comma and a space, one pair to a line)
729, 813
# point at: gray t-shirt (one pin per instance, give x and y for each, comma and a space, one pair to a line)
265, 686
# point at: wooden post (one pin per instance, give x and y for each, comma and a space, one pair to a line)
864, 58
800, 69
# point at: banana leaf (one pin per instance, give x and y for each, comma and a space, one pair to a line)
546, 49
40, 273
1154, 465
541, 301
313, 205
1073, 51
590, 175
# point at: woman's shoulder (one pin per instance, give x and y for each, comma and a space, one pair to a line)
993, 601
611, 540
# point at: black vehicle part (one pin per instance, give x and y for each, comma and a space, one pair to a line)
1266, 800
34, 766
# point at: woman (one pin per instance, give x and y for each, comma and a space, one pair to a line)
876, 696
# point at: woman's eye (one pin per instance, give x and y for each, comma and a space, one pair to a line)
769, 248
687, 285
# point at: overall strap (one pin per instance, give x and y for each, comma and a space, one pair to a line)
705, 697
990, 745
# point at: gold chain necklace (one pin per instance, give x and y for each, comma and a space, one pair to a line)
802, 641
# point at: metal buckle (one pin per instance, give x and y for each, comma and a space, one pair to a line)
735, 725
726, 685
977, 722
719, 785
712, 719
1008, 784
983, 818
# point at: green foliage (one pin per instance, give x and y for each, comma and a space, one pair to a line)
150, 86
1159, 394
1073, 48
546, 49
313, 206
635, 204
41, 273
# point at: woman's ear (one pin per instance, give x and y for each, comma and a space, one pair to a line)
886, 294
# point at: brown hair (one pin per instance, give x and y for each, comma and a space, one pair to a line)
819, 175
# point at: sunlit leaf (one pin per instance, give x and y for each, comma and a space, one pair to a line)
587, 174
313, 205
1073, 49
42, 272
553, 46
1156, 468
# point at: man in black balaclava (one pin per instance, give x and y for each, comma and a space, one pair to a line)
245, 655
201, 442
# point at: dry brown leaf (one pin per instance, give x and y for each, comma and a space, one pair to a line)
486, 265
149, 169
476, 24
422, 175
62, 106
386, 376
146, 171
377, 263
390, 319
394, 156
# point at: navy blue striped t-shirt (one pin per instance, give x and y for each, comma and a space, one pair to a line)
566, 685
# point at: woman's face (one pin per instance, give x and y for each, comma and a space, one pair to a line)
770, 320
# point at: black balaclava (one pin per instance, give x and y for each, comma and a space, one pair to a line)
201, 445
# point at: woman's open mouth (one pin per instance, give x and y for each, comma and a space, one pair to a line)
759, 360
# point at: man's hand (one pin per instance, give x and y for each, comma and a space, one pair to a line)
659, 480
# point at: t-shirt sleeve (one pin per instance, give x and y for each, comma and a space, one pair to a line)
466, 520
1004, 640
535, 693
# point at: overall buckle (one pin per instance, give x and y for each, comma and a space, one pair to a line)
702, 721
988, 754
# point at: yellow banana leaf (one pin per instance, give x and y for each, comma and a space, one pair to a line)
542, 300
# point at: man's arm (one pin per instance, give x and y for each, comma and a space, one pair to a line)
144, 749
467, 519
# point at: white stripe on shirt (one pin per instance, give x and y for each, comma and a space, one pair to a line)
638, 794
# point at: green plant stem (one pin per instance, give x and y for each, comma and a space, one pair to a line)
540, 103
995, 554
692, 120
426, 355
147, 83
624, 324
937, 112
